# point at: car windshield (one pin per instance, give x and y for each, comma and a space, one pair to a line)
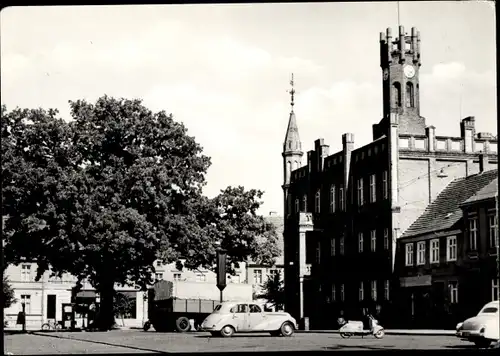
489, 310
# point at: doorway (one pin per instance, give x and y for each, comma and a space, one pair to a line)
51, 306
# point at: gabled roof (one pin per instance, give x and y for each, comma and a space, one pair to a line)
486, 193
445, 210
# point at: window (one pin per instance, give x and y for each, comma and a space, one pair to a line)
373, 240
342, 292
361, 292
341, 198
255, 309
493, 227
273, 273
257, 276
332, 246
386, 290
341, 245
473, 234
332, 198
360, 242
297, 205
318, 253
158, 276
304, 203
386, 239
396, 94
360, 192
289, 205
409, 254
374, 290
26, 300
421, 253
434, 251
494, 289
451, 248
159, 263
200, 277
25, 273
453, 287
177, 276
373, 190
317, 202
409, 95
385, 186
334, 293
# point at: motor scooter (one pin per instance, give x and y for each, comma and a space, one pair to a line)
354, 327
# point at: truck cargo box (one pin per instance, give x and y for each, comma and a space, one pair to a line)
201, 290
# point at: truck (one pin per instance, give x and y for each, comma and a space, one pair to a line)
182, 305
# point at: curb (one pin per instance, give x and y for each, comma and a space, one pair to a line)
387, 332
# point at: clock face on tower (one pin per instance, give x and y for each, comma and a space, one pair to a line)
386, 74
409, 71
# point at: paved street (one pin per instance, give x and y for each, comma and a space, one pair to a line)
137, 341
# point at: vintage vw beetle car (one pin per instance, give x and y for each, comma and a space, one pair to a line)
483, 329
246, 317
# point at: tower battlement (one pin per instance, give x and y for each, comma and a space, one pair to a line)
405, 48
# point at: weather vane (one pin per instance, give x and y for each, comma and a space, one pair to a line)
292, 92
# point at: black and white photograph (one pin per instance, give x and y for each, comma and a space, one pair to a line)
249, 177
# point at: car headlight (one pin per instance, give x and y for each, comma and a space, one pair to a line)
459, 326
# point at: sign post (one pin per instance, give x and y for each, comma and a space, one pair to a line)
221, 271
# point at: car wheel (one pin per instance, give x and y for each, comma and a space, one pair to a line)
286, 329
182, 324
482, 343
146, 326
345, 335
227, 331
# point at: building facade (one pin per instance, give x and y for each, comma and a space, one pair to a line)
447, 259
258, 274
345, 211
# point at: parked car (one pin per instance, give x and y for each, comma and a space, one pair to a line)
482, 329
246, 317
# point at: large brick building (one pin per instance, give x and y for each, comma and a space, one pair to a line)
345, 211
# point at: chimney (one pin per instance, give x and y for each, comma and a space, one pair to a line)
483, 163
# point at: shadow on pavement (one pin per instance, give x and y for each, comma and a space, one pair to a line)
102, 343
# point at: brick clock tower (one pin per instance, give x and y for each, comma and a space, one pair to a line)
400, 63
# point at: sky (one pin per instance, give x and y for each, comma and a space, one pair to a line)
224, 70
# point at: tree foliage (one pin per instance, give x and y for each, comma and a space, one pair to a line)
106, 194
8, 293
273, 291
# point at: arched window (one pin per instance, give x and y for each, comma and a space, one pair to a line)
297, 164
332, 198
409, 95
317, 202
289, 169
304, 203
297, 205
396, 93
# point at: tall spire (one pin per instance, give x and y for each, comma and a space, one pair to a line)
292, 139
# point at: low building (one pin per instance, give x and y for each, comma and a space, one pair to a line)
44, 299
446, 260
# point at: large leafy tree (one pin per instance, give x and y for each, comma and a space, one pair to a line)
103, 196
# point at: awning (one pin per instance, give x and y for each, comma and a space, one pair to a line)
86, 294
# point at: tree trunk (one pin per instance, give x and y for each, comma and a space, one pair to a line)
106, 318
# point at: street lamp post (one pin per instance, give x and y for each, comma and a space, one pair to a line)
221, 271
